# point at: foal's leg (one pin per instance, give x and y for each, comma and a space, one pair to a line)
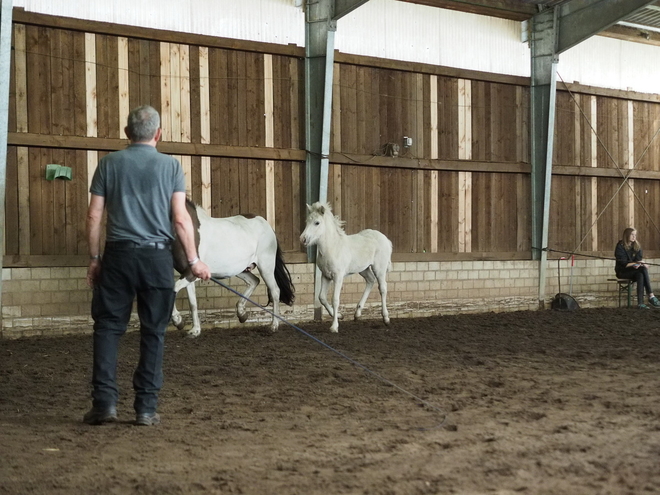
381, 275
339, 279
369, 278
323, 295
252, 281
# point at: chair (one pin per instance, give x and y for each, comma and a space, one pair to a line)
624, 285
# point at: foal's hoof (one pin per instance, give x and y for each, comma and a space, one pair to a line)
192, 334
243, 318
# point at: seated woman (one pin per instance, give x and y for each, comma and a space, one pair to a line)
629, 264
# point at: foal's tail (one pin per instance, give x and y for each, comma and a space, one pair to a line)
283, 279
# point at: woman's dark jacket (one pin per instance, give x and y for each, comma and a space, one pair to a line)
624, 256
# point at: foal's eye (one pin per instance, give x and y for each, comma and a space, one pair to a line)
317, 223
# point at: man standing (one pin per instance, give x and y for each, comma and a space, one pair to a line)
144, 194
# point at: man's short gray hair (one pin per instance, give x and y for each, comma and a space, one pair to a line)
143, 123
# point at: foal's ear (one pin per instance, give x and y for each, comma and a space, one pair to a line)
309, 208
321, 209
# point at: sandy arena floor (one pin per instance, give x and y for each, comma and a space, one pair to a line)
527, 403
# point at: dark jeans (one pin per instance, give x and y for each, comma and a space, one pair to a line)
147, 273
641, 276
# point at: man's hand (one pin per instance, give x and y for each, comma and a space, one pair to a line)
201, 270
93, 272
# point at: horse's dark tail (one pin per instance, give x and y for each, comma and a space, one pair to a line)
283, 279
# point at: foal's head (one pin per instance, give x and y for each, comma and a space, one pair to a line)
320, 222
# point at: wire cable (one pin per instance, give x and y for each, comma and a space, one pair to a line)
350, 360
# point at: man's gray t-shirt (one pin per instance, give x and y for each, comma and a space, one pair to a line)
137, 184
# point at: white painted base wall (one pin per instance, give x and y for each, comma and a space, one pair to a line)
55, 301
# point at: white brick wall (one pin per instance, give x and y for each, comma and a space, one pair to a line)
57, 300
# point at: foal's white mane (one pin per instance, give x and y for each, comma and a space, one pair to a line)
334, 220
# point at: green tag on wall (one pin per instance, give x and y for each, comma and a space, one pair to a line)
54, 171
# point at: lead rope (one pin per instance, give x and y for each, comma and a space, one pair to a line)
352, 361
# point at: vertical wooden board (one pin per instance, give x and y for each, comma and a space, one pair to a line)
255, 126
56, 214
70, 207
523, 217
448, 212
36, 78
348, 109
585, 125
509, 107
479, 123
287, 212
62, 80
206, 198
281, 101
24, 213
480, 212
448, 118
155, 83
362, 109
226, 183
81, 199
297, 90
235, 81
107, 85
18, 82
243, 87
410, 112
195, 98
186, 102
218, 96
12, 224
564, 130
648, 194
394, 110
36, 206
421, 104
584, 228
505, 219
175, 92
253, 187
165, 91
398, 202
123, 85
609, 224
134, 72
78, 85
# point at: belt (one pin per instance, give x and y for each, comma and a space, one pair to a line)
137, 245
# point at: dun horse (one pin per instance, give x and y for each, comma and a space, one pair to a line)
368, 253
234, 246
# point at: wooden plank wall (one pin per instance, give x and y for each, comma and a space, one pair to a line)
232, 113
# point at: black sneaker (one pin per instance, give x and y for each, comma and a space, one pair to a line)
147, 419
99, 416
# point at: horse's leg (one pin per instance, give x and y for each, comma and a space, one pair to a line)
369, 279
192, 301
252, 281
177, 319
267, 272
339, 279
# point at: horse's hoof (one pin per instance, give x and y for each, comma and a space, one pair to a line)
193, 335
334, 329
243, 318
387, 321
179, 325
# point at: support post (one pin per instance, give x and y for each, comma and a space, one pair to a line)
5, 63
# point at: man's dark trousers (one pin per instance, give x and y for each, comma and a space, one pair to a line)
127, 272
